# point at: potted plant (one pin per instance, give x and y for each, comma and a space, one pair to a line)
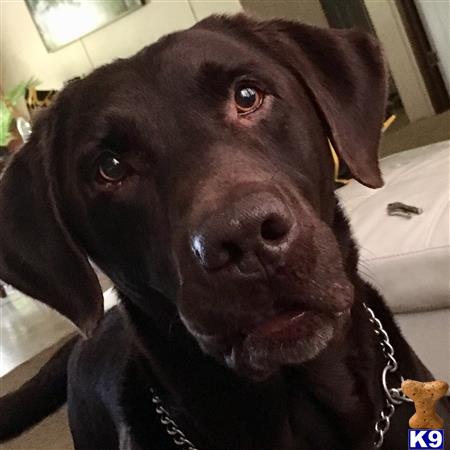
8, 111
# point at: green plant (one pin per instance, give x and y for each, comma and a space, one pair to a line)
8, 112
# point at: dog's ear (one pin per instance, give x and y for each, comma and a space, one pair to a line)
345, 75
37, 254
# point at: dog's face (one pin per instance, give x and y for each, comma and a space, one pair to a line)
200, 169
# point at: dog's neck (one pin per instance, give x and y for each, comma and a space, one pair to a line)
338, 389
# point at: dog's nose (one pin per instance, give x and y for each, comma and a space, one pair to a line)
252, 233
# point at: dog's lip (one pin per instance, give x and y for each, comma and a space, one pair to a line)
279, 322
280, 325
290, 324
270, 324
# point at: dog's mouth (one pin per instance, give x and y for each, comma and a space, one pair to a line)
288, 325
285, 337
258, 335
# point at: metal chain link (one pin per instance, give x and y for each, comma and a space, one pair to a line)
172, 429
394, 396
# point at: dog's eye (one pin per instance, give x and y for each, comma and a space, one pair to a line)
247, 99
111, 169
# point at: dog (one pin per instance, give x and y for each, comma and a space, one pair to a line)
197, 175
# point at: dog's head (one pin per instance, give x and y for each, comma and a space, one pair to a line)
199, 169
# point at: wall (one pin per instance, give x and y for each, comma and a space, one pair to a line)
435, 16
309, 11
23, 54
203, 8
400, 56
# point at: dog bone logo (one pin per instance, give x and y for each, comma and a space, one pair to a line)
425, 396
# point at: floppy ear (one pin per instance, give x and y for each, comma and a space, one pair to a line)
345, 74
37, 254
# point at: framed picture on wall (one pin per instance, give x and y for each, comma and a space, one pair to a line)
63, 21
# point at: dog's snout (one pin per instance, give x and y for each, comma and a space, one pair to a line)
250, 233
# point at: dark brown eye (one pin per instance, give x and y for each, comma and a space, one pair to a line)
111, 169
247, 99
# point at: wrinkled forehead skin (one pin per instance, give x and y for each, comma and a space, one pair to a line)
166, 107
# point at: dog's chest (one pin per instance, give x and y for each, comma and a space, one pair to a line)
221, 427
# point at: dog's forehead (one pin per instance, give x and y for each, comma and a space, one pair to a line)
188, 50
181, 63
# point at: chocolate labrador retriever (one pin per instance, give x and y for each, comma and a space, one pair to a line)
197, 175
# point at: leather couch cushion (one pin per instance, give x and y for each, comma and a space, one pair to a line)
406, 259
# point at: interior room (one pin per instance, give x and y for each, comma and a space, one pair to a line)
401, 229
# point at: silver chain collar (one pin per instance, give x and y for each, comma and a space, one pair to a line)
172, 429
394, 396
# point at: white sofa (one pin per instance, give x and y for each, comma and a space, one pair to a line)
408, 260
